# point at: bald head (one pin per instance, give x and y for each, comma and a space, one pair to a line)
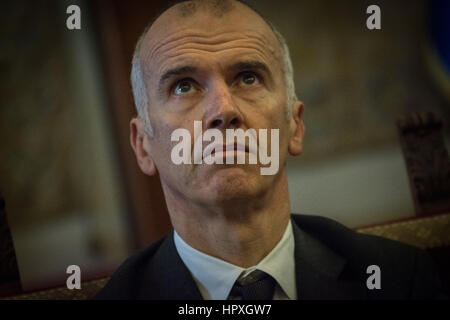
216, 7
187, 8
163, 30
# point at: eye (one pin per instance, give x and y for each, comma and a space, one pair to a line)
249, 79
183, 87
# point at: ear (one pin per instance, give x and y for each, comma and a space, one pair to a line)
297, 129
140, 143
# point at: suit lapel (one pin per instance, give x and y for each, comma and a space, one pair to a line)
318, 271
169, 277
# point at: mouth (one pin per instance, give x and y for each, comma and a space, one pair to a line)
229, 150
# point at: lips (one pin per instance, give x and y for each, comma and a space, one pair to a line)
236, 147
211, 149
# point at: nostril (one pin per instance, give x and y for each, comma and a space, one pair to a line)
216, 123
235, 122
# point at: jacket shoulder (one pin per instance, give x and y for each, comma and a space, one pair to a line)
405, 269
124, 281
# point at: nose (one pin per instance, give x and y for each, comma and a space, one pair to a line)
221, 111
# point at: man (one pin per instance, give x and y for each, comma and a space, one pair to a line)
221, 63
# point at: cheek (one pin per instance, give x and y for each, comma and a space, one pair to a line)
160, 142
164, 124
277, 111
279, 121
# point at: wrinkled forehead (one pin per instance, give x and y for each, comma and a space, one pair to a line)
236, 20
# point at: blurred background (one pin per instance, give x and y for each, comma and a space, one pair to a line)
73, 191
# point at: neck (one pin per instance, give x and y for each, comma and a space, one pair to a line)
242, 235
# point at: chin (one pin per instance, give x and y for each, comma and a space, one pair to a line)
233, 185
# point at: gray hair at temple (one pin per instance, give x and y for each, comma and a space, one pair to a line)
220, 6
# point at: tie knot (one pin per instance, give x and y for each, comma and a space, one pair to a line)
254, 276
257, 285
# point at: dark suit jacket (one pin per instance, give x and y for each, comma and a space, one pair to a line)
331, 263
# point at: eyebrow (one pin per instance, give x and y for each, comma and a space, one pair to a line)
174, 73
252, 65
184, 70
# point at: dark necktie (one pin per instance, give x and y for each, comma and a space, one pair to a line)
258, 285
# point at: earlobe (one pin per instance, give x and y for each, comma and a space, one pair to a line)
297, 129
140, 144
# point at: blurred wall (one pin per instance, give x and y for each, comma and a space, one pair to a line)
59, 168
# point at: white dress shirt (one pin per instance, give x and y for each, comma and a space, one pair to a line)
215, 277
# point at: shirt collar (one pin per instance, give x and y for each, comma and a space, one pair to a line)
216, 277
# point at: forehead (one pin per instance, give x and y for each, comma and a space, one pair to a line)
175, 35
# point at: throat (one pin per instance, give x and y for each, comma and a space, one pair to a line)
242, 243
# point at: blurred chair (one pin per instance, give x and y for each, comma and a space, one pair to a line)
428, 166
87, 291
427, 161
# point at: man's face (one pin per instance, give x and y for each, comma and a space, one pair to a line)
226, 72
